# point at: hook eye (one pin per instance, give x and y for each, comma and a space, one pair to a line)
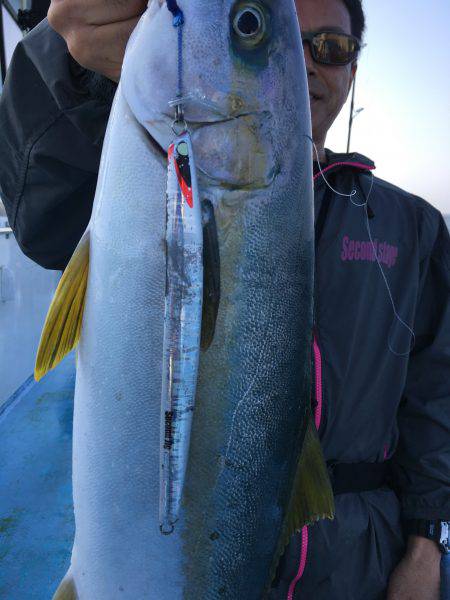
179, 126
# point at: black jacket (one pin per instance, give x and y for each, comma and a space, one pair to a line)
371, 404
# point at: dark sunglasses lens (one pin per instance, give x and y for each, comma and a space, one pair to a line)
335, 48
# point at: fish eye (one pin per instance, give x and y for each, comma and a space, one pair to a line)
249, 24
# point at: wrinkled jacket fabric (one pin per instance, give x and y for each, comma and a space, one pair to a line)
373, 401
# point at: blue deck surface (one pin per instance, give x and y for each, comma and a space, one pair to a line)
36, 512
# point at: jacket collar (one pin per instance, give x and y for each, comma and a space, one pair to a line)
339, 161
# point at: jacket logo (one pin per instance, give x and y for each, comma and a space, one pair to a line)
355, 250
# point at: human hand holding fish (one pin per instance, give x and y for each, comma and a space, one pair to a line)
96, 31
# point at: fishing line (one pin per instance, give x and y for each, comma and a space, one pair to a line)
178, 22
365, 205
353, 193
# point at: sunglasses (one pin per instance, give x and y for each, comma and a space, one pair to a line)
331, 48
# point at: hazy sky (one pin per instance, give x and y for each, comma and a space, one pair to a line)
404, 87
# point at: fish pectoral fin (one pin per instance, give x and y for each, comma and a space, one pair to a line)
66, 590
312, 496
62, 327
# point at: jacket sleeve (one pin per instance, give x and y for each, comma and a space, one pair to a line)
422, 461
53, 117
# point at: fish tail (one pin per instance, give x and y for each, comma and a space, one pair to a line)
66, 589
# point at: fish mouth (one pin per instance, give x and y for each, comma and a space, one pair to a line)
157, 130
231, 152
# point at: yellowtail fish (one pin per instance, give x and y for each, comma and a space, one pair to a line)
254, 468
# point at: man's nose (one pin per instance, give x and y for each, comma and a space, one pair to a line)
311, 67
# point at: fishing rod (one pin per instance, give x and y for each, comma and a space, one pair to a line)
2, 48
10, 10
353, 114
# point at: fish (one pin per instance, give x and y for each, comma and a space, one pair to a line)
254, 472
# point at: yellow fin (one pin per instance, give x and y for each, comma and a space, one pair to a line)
66, 590
63, 324
312, 495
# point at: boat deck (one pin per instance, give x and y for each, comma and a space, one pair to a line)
36, 512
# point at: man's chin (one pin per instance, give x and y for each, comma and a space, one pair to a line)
317, 109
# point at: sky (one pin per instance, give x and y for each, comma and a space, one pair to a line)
403, 85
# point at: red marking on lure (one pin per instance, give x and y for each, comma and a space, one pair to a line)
185, 189
182, 169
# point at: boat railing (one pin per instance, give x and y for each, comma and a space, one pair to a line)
6, 231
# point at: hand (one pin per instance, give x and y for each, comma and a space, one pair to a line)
96, 31
418, 575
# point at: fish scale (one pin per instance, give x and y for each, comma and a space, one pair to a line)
255, 409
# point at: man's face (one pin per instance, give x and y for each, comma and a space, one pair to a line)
328, 85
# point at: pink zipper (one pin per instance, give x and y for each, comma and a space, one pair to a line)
319, 401
358, 165
318, 382
302, 565
317, 421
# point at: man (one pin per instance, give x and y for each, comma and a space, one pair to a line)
371, 403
